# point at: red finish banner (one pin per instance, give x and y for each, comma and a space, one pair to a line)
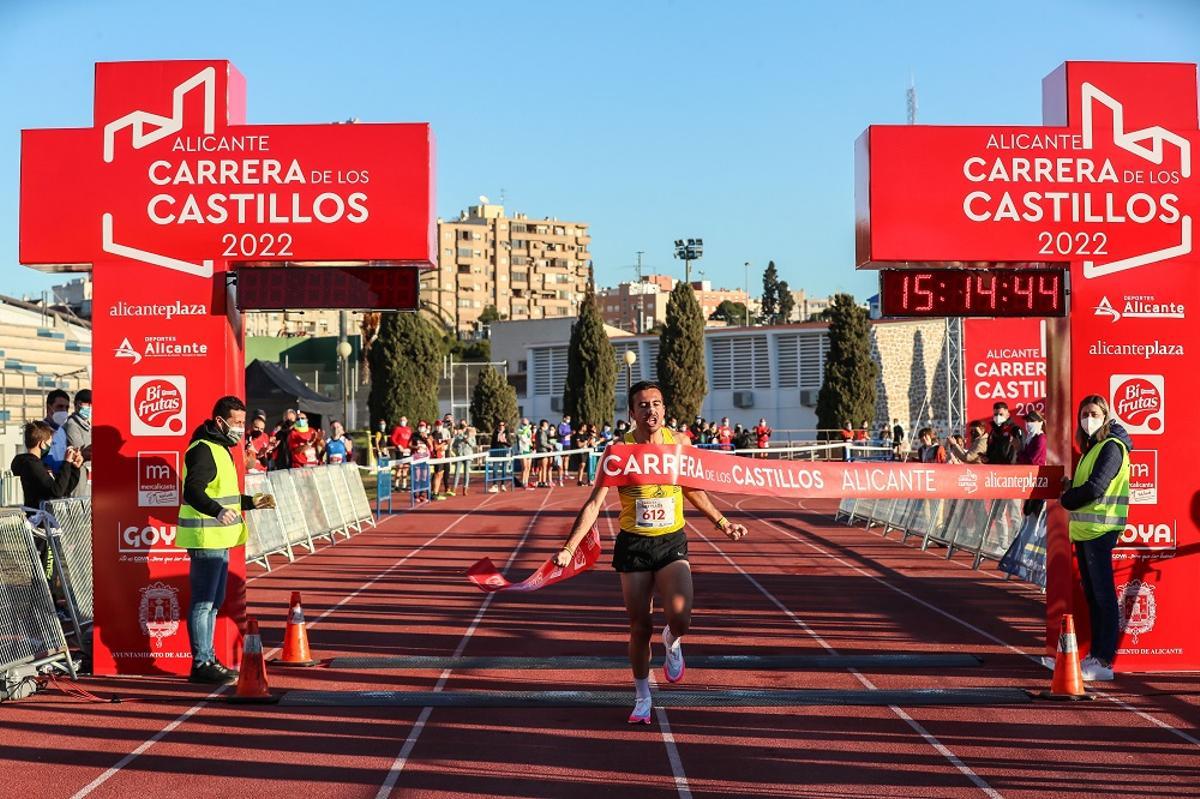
489, 579
1005, 361
160, 197
657, 464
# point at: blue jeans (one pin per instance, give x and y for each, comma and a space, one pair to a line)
1096, 573
207, 574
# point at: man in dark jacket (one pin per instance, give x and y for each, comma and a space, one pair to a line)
78, 432
1004, 437
37, 482
210, 524
283, 453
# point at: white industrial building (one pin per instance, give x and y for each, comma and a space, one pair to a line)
753, 372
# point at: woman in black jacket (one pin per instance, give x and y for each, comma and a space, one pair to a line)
37, 483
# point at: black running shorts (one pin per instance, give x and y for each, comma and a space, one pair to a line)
648, 553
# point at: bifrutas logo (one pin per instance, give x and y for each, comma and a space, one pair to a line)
151, 537
156, 405
158, 479
1138, 402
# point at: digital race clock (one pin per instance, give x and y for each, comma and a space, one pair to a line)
262, 288
973, 292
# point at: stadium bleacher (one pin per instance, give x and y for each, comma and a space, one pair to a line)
40, 350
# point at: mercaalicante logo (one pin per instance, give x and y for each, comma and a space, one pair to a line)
1152, 349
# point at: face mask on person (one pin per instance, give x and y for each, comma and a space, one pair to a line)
60, 417
231, 434
422, 430
301, 425
1035, 428
85, 412
1000, 418
1091, 424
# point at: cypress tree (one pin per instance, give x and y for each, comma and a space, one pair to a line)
493, 400
589, 393
770, 295
787, 303
405, 364
848, 390
681, 354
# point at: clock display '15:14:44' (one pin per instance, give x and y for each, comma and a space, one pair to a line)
973, 292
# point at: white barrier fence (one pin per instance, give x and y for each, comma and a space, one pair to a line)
983, 528
310, 504
46, 561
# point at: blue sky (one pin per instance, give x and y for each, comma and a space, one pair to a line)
652, 121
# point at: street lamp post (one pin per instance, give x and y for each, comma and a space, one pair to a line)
688, 250
630, 360
344, 350
746, 315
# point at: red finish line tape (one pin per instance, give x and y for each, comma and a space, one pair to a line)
659, 464
485, 574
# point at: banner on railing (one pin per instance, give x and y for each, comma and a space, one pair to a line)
485, 574
657, 464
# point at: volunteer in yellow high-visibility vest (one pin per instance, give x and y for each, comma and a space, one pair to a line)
210, 524
651, 550
1098, 500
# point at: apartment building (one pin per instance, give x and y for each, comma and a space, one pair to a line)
526, 268
638, 306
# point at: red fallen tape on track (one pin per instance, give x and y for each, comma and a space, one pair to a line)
485, 574
665, 464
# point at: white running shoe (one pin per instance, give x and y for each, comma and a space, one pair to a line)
641, 711
1095, 671
673, 666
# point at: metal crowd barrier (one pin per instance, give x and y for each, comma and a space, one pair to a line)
67, 526
984, 528
31, 635
341, 507
498, 470
383, 486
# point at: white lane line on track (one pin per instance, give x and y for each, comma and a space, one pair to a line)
414, 734
962, 622
664, 726
917, 727
158, 736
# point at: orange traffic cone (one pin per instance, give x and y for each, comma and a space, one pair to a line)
295, 638
252, 680
1067, 683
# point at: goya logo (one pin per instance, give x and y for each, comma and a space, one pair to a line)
156, 405
151, 537
1142, 536
1138, 402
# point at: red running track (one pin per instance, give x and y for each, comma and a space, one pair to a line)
799, 583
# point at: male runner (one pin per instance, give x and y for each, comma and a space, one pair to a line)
651, 549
